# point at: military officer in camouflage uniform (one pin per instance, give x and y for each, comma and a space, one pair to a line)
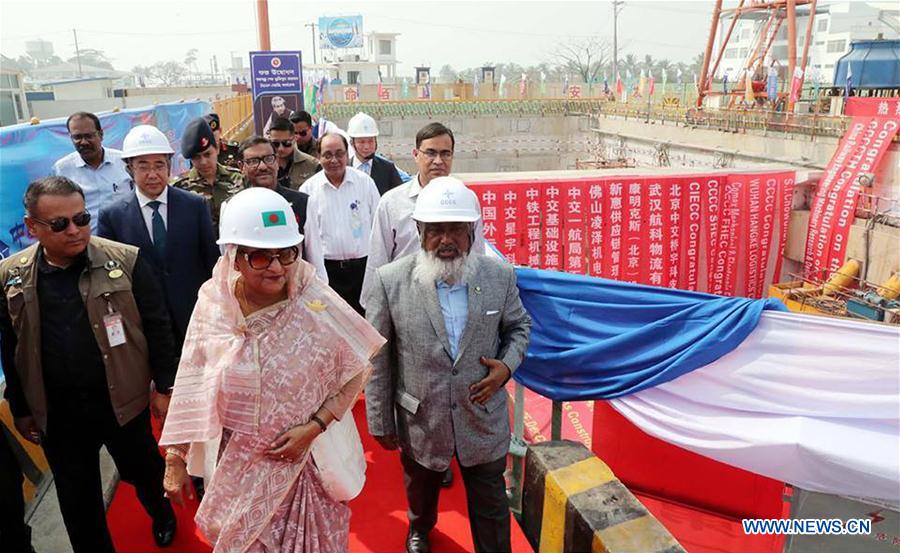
212, 180
228, 151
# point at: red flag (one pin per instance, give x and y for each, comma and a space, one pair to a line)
652, 86
620, 88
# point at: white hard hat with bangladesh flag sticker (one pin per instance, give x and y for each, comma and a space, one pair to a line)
259, 218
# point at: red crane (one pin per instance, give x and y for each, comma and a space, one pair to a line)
773, 14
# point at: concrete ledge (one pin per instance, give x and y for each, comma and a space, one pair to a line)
48, 532
573, 502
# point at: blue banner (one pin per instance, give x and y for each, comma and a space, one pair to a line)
340, 32
29, 152
276, 80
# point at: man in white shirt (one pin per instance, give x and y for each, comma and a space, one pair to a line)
394, 232
343, 201
98, 170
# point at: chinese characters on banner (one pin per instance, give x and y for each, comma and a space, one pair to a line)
834, 207
723, 233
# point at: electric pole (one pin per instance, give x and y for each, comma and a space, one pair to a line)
77, 53
262, 21
312, 28
616, 8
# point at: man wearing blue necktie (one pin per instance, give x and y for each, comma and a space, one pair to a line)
173, 227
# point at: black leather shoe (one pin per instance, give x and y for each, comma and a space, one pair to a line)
417, 542
164, 530
447, 478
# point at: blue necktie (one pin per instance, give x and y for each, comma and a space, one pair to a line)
159, 229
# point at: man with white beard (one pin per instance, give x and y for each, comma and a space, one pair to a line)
444, 366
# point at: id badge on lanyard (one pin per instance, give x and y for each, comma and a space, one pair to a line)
115, 330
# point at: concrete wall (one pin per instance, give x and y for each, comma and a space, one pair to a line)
696, 147
489, 144
83, 90
135, 98
185, 92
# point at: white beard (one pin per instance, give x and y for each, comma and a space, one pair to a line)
430, 269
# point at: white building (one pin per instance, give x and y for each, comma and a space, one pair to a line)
835, 26
13, 106
377, 57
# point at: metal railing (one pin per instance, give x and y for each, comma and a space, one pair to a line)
432, 108
735, 120
234, 113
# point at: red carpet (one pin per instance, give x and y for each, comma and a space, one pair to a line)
378, 524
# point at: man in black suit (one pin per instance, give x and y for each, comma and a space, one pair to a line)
172, 227
363, 133
260, 166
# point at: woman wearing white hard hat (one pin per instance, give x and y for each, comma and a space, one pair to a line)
272, 358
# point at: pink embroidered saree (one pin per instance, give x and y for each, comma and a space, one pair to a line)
255, 378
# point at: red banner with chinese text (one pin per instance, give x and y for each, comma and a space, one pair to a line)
720, 233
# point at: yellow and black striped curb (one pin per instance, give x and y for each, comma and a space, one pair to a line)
573, 502
31, 457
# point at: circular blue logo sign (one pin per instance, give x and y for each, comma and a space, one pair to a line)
340, 33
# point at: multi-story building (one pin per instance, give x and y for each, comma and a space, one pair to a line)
835, 26
13, 107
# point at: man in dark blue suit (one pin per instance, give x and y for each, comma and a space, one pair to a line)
172, 227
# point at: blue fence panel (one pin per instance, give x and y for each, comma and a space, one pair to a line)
28, 152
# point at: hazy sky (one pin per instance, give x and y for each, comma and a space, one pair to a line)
460, 33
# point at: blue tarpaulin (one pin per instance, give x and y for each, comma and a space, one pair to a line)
594, 338
27, 153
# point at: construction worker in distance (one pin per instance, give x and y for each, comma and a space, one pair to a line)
207, 176
363, 133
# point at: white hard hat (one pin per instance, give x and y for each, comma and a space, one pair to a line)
362, 125
446, 200
259, 218
143, 140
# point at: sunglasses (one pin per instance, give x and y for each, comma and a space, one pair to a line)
302, 133
283, 143
60, 224
261, 259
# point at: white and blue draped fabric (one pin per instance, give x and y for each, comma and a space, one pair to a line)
600, 339
809, 400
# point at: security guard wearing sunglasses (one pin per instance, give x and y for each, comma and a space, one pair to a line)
83, 331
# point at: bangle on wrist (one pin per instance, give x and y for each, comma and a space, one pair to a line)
320, 422
177, 453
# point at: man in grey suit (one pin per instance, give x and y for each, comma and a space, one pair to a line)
456, 330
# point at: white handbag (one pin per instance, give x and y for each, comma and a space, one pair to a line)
339, 456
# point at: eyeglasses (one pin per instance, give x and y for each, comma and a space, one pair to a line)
328, 156
282, 143
262, 259
60, 224
302, 133
145, 168
84, 136
445, 155
255, 161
